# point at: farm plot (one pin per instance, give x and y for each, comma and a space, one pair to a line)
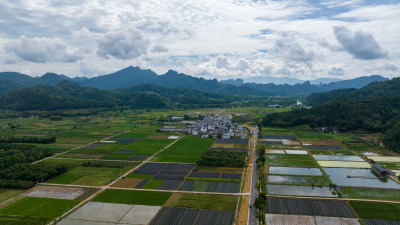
280, 219
204, 174
370, 193
299, 180
32, 210
112, 213
231, 176
296, 163
333, 152
90, 176
6, 194
322, 142
164, 176
338, 158
377, 210
274, 151
207, 217
288, 156
292, 190
378, 153
124, 140
205, 201
170, 185
148, 147
324, 147
295, 171
296, 152
233, 141
133, 197
344, 164
150, 168
175, 216
392, 166
335, 221
230, 149
184, 216
127, 182
272, 142
55, 192
380, 222
332, 208
359, 178
279, 137
152, 184
187, 150
199, 186
223, 187
388, 159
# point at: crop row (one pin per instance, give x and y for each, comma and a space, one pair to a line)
170, 185
232, 141
184, 216
278, 205
175, 216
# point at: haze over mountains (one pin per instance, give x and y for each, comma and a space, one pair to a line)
132, 76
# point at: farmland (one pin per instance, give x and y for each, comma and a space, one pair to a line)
317, 165
187, 150
203, 201
32, 210
91, 176
377, 210
133, 197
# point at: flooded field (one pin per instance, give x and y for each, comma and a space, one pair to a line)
295, 171
338, 158
358, 178
300, 190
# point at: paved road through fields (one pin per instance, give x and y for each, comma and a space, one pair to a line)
253, 190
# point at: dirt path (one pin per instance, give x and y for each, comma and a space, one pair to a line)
243, 211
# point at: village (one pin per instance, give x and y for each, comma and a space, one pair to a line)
216, 126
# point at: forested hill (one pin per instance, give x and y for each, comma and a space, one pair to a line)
372, 90
131, 76
68, 95
375, 108
307, 88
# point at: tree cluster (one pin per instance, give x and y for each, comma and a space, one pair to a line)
28, 139
223, 158
16, 170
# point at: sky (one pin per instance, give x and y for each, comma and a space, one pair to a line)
224, 39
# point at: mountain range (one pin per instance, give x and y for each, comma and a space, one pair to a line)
132, 76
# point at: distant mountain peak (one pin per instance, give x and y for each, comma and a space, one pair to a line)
171, 72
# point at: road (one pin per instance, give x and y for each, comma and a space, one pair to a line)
252, 220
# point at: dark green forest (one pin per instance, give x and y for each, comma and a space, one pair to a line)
16, 170
223, 159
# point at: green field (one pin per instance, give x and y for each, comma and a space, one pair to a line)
296, 163
393, 166
141, 176
148, 147
153, 184
370, 193
298, 180
187, 150
133, 197
35, 209
6, 194
91, 176
204, 201
377, 210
